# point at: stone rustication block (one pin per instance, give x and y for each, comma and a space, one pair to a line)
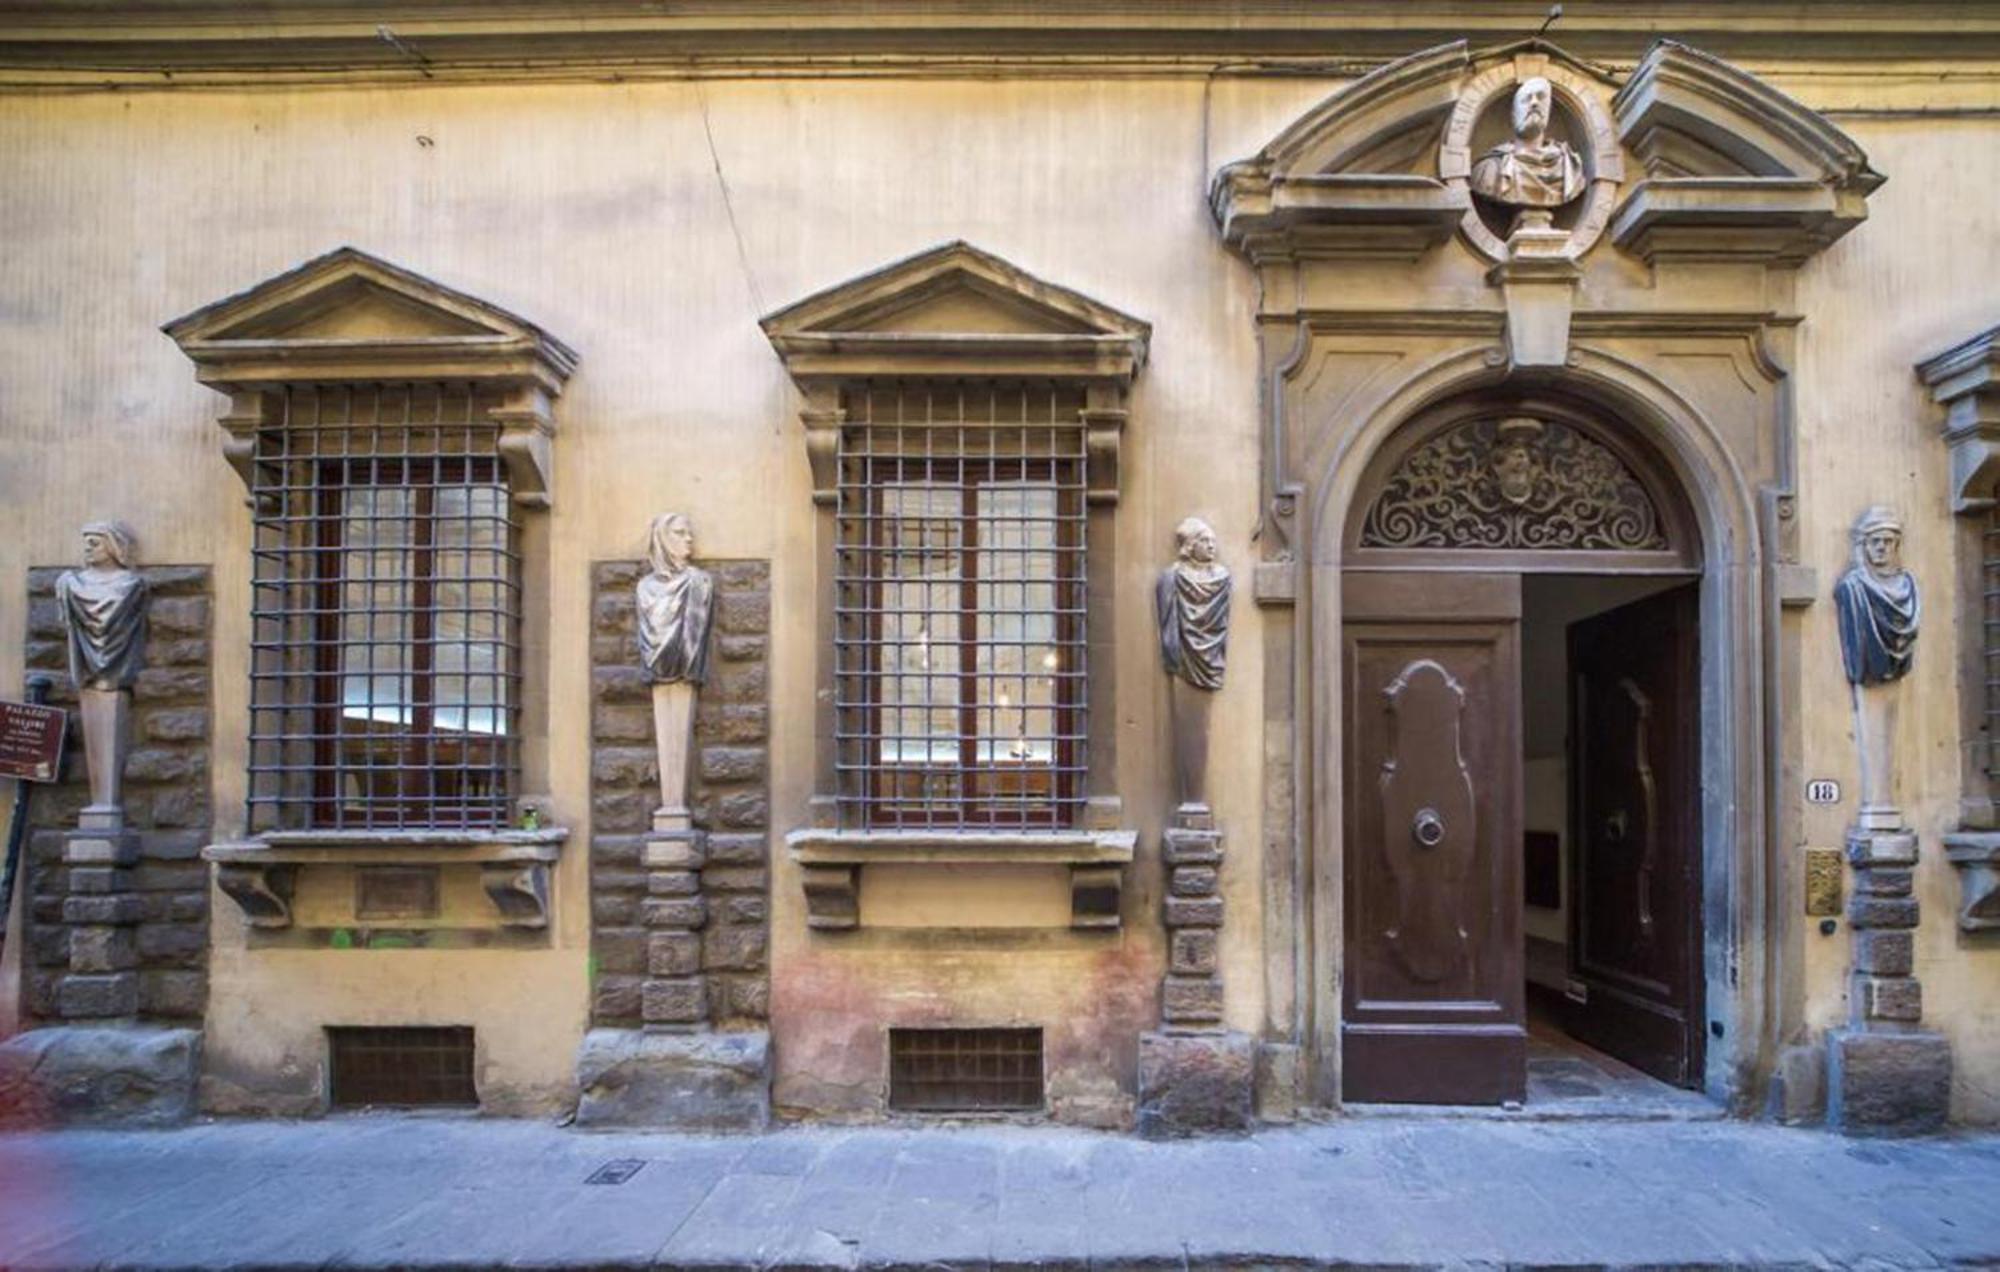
1882, 1083
681, 919
692, 1082
1195, 1084
75, 1075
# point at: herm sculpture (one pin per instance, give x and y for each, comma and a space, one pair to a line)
1879, 611
1191, 601
103, 606
676, 609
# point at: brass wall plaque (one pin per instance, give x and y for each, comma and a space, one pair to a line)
396, 892
1823, 882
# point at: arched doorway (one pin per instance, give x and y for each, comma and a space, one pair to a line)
1519, 667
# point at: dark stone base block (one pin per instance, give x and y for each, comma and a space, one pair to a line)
1887, 1083
108, 1075
1194, 1084
687, 1081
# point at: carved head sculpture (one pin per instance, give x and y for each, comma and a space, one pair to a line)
1534, 103
107, 545
1517, 460
670, 542
1878, 542
1194, 542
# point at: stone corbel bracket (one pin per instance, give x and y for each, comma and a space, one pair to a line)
351, 318
261, 874
1965, 381
831, 861
262, 891
1976, 855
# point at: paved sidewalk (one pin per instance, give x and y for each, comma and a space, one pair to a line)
401, 1191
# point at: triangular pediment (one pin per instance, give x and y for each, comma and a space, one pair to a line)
349, 295
952, 289
959, 307
348, 315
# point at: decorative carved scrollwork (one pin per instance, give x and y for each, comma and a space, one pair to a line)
1515, 484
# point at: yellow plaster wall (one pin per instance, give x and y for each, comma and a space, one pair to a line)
598, 212
1912, 282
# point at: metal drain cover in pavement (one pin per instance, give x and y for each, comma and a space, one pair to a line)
615, 1171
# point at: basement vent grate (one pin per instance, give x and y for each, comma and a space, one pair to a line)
965, 1070
401, 1066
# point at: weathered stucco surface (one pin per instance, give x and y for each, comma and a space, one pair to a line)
649, 225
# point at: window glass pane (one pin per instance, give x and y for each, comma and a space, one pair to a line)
375, 598
921, 567
470, 599
1016, 654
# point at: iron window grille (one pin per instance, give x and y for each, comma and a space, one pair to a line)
400, 1066
959, 622
386, 612
965, 1070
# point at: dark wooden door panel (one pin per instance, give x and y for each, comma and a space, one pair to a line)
1432, 970
1635, 920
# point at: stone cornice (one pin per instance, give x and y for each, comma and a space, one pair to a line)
110, 40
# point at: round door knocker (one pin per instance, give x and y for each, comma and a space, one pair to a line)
1428, 828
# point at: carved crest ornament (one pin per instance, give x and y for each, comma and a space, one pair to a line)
1514, 483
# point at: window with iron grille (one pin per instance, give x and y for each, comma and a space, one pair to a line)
959, 624
386, 612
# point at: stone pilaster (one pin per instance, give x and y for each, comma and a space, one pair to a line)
679, 910
1886, 1075
116, 909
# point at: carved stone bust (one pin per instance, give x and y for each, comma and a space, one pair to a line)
1533, 170
1877, 603
103, 608
1192, 604
676, 604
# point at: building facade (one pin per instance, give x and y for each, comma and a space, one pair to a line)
1495, 412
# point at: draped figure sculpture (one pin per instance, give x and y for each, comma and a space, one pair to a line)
676, 609
1532, 170
103, 607
1879, 611
1191, 602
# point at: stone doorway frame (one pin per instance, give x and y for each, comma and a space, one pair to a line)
1736, 698
1550, 398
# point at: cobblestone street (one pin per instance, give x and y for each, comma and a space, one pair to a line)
430, 1192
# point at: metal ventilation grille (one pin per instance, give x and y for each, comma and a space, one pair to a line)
386, 612
960, 694
965, 1070
400, 1066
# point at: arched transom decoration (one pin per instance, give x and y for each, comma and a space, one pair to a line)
1515, 483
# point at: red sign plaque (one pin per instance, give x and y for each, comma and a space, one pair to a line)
31, 740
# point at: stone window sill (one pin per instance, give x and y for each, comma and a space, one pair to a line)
260, 873
830, 864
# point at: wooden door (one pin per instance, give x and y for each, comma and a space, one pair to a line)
1431, 986
1635, 863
